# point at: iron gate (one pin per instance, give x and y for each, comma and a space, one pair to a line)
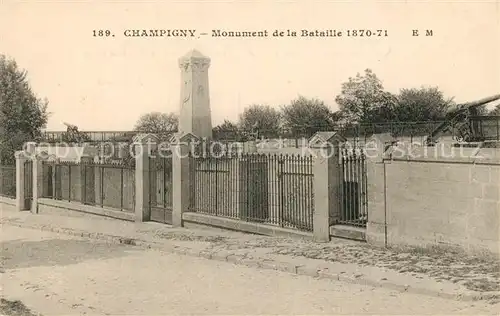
28, 184
160, 192
353, 188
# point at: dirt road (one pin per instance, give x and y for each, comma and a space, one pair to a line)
59, 274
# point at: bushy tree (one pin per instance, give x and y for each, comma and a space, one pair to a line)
226, 131
423, 104
362, 99
261, 119
22, 114
157, 123
304, 117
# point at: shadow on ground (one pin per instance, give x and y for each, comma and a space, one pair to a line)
26, 253
14, 308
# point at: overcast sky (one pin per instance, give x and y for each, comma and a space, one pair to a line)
107, 83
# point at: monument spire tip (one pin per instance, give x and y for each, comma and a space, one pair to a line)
194, 53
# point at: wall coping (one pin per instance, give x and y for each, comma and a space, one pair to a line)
487, 156
460, 160
76, 206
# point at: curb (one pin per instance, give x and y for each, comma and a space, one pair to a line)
227, 256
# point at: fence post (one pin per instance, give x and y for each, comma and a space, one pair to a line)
181, 184
37, 181
21, 158
378, 151
142, 211
326, 170
143, 146
326, 206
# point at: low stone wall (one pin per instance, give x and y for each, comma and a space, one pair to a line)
49, 206
237, 225
9, 203
449, 202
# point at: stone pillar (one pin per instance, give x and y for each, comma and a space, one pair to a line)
21, 158
142, 211
195, 116
38, 180
326, 190
143, 144
378, 151
181, 184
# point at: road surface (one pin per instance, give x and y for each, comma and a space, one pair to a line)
59, 274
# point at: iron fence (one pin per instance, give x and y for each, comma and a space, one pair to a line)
97, 136
411, 131
267, 189
488, 126
8, 181
91, 183
160, 192
353, 187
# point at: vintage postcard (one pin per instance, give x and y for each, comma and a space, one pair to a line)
249, 157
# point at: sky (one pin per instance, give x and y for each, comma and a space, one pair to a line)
106, 83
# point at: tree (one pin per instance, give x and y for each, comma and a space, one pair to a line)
363, 99
157, 123
495, 111
226, 131
22, 114
304, 117
262, 119
423, 104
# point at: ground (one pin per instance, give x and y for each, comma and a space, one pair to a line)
59, 274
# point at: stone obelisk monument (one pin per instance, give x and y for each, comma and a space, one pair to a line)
195, 116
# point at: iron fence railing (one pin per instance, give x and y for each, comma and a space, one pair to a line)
353, 187
97, 184
8, 181
96, 136
412, 130
267, 189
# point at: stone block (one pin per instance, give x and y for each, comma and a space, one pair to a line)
480, 174
491, 192
376, 212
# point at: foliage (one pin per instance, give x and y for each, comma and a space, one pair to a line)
304, 117
261, 119
424, 104
227, 131
157, 123
22, 114
363, 99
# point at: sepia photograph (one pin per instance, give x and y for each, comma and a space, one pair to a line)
249, 157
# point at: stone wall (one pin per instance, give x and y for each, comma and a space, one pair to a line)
451, 202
